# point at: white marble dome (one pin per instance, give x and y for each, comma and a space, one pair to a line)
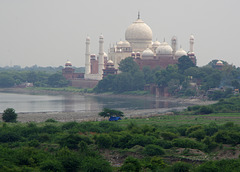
164, 49
156, 44
125, 44
147, 54
139, 35
180, 52
119, 44
138, 30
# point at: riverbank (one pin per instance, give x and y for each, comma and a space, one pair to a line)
93, 115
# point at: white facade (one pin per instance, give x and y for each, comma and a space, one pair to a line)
138, 44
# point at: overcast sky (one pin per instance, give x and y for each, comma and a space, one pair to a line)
50, 32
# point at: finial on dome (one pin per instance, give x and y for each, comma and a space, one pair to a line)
164, 40
138, 14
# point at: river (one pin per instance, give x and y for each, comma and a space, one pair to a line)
75, 103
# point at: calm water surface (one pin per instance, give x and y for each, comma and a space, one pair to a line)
61, 103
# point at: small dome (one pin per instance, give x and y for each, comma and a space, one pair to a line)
68, 64
125, 44
109, 62
219, 63
179, 53
156, 44
101, 36
191, 37
164, 49
120, 44
147, 54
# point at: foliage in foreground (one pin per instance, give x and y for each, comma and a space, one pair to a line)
9, 115
73, 146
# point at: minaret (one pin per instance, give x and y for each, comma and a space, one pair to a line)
191, 43
101, 58
87, 57
174, 44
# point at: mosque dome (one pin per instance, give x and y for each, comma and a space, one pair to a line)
164, 49
219, 63
147, 54
120, 43
109, 62
139, 35
68, 64
179, 53
125, 44
156, 44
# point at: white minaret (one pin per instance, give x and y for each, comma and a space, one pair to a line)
191, 43
87, 57
174, 44
101, 58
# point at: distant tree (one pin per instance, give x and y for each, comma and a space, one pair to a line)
184, 63
57, 80
128, 65
110, 112
9, 115
6, 81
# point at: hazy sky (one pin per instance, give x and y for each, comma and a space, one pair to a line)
49, 32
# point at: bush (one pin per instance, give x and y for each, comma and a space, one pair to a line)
51, 165
205, 110
168, 135
104, 141
181, 167
131, 164
153, 150
9, 115
50, 120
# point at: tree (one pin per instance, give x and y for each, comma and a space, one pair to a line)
184, 63
9, 115
57, 80
128, 65
110, 112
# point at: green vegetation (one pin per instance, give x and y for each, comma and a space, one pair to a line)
176, 142
110, 112
72, 146
9, 115
182, 79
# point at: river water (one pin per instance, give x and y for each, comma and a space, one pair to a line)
75, 103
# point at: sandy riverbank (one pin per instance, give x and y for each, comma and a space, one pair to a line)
93, 115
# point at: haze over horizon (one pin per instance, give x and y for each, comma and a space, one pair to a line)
50, 32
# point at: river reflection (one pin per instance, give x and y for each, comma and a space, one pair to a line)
67, 103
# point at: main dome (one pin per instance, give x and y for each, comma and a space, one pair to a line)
139, 35
138, 30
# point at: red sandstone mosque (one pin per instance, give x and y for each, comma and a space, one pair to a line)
138, 44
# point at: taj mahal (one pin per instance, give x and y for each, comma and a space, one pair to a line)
139, 45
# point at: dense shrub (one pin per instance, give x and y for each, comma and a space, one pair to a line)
51, 165
131, 164
104, 141
93, 164
188, 143
181, 167
168, 135
9, 115
206, 110
9, 136
153, 150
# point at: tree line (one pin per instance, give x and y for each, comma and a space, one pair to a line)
182, 79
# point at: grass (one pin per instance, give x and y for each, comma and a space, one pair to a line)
178, 120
